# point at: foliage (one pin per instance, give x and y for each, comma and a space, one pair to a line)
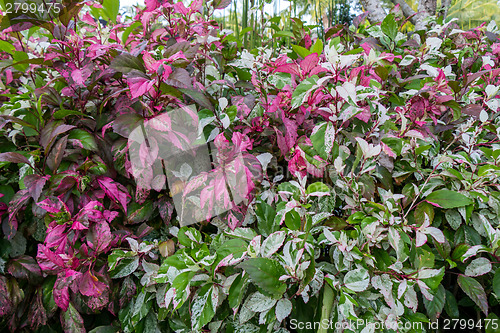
372, 162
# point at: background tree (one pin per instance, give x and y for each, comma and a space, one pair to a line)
468, 12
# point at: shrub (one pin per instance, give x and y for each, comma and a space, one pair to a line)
354, 178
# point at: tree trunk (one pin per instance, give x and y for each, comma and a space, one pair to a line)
426, 8
375, 10
445, 5
407, 10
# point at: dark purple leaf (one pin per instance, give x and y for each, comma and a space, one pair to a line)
472, 110
179, 79
13, 158
199, 97
24, 267
37, 315
35, 184
166, 209
50, 132
18, 202
57, 153
66, 184
16, 120
5, 300
126, 123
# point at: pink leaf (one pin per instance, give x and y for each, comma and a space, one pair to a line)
151, 64
56, 235
139, 86
151, 5
61, 288
101, 237
180, 8
289, 68
114, 190
309, 62
90, 285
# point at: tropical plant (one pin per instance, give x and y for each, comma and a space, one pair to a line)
159, 177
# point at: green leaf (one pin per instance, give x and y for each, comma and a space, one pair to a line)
435, 307
61, 113
424, 208
203, 307
236, 247
189, 237
125, 63
301, 51
87, 140
434, 281
129, 30
237, 290
496, 283
139, 213
265, 274
110, 9
451, 306
265, 218
317, 187
72, 321
475, 291
317, 47
115, 257
19, 57
7, 47
281, 34
231, 111
448, 199
389, 27
302, 90
292, 220
245, 31
491, 323
454, 218
105, 329
396, 144
126, 267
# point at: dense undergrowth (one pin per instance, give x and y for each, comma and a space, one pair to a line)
354, 178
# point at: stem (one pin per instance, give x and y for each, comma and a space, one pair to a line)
326, 307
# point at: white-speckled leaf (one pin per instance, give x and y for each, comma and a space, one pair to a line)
478, 266
283, 309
